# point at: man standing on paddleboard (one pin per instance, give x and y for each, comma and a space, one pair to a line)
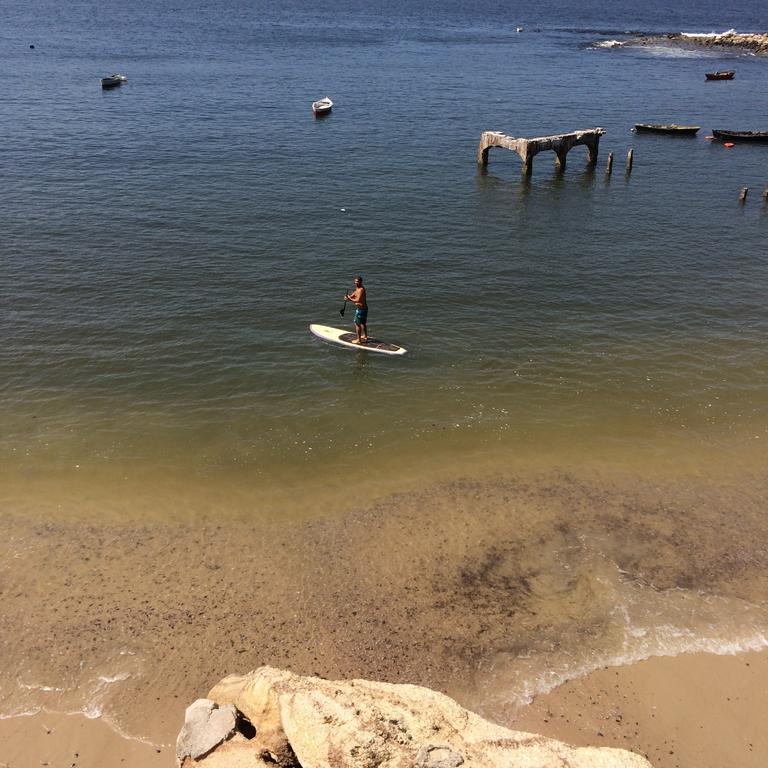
361, 310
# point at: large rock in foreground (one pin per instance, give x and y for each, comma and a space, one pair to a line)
305, 722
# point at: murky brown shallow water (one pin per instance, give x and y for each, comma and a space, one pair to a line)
491, 589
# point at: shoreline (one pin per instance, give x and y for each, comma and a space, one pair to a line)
76, 741
688, 711
473, 587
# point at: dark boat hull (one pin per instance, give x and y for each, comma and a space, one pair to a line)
112, 81
726, 75
760, 137
669, 130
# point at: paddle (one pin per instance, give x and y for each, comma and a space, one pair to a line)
344, 306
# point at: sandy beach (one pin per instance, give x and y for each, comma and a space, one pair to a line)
74, 741
689, 711
694, 710
485, 589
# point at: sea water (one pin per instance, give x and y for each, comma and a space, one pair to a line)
166, 244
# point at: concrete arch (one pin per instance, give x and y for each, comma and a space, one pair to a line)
529, 148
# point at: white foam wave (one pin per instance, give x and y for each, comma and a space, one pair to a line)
109, 679
90, 695
95, 705
708, 34
92, 711
20, 713
642, 623
38, 687
686, 643
89, 712
608, 44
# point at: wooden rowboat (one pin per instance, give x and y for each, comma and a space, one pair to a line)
726, 74
322, 106
753, 136
671, 129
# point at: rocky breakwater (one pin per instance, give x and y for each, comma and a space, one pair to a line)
757, 43
753, 42
271, 718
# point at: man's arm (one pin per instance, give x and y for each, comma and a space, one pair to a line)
354, 296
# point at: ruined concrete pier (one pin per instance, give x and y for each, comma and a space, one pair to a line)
529, 148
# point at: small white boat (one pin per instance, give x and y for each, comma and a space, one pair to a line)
519, 29
112, 81
322, 106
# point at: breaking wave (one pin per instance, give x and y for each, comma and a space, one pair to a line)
708, 34
608, 44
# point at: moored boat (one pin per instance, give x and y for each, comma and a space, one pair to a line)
671, 129
754, 136
112, 81
322, 106
725, 74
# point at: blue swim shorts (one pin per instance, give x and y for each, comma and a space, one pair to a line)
361, 316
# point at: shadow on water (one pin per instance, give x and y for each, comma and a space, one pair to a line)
362, 361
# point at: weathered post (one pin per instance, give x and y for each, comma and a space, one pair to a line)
609, 165
630, 158
527, 157
592, 148
743, 195
765, 193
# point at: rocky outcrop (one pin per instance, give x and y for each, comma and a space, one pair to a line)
753, 42
304, 722
757, 43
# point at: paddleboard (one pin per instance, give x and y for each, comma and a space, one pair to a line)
345, 338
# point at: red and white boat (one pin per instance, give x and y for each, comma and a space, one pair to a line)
322, 106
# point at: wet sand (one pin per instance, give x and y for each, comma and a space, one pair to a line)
74, 741
135, 621
689, 711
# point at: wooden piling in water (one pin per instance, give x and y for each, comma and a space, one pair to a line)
609, 165
743, 194
765, 193
630, 159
